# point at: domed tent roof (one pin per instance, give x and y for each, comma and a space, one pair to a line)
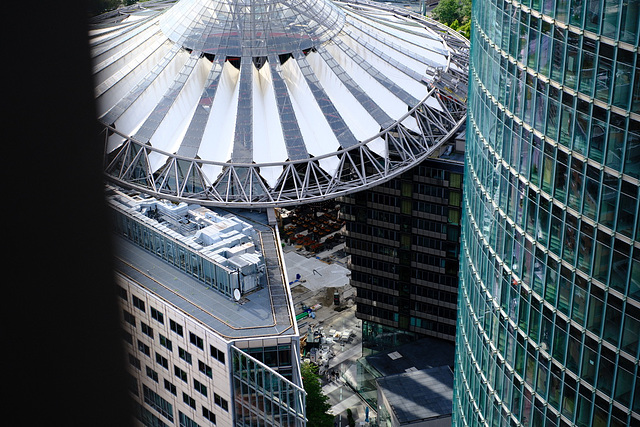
272, 102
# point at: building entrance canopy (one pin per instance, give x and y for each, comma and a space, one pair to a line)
272, 103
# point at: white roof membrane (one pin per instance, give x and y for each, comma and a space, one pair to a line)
289, 98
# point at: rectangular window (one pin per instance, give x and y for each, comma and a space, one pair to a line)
186, 421
157, 315
134, 361
129, 318
152, 374
184, 355
220, 402
196, 340
201, 388
180, 373
455, 180
209, 415
138, 303
144, 348
217, 354
170, 387
189, 400
162, 361
166, 342
122, 292
127, 336
175, 327
154, 400
455, 198
146, 329
205, 369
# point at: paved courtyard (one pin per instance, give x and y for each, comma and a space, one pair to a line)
313, 280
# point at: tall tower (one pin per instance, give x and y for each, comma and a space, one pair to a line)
403, 238
549, 300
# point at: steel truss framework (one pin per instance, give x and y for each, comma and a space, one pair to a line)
305, 181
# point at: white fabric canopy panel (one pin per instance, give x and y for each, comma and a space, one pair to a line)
307, 93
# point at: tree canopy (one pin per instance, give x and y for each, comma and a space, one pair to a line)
318, 406
455, 14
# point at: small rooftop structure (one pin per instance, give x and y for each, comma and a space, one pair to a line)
411, 383
143, 235
225, 240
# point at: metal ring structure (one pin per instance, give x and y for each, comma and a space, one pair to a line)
272, 103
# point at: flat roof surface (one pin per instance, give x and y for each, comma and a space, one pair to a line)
419, 395
423, 354
265, 312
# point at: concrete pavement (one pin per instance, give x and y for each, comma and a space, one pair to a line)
319, 277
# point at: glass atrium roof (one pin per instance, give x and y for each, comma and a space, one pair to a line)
272, 102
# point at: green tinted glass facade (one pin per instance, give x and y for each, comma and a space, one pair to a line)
549, 301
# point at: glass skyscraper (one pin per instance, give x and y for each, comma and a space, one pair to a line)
549, 301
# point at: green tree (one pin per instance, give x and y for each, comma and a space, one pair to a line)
447, 11
455, 14
318, 406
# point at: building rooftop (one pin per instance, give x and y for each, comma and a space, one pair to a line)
264, 311
425, 353
419, 395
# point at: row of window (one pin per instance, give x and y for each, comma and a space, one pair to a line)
521, 367
586, 129
165, 408
579, 62
615, 19
174, 326
163, 362
558, 232
407, 224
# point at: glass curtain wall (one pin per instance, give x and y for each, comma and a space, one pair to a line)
262, 396
549, 301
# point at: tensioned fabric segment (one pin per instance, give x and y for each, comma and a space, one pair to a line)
365, 63
129, 114
170, 132
354, 114
317, 134
377, 113
220, 127
127, 53
381, 95
193, 137
113, 42
146, 82
401, 51
338, 126
152, 122
268, 139
115, 87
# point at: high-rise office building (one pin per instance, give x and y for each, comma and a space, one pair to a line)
549, 300
403, 240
